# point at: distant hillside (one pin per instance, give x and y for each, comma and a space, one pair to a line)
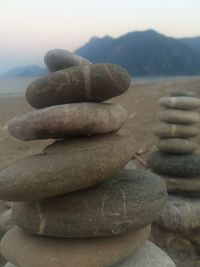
26, 71
146, 53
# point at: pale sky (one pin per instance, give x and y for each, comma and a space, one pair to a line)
29, 28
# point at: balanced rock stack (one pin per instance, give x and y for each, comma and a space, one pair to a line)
75, 205
178, 162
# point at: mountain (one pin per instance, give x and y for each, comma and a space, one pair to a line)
146, 53
25, 71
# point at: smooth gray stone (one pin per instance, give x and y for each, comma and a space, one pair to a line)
148, 256
6, 221
174, 165
27, 250
127, 201
180, 214
95, 83
183, 186
177, 145
68, 120
166, 130
180, 102
58, 59
9, 264
178, 116
66, 166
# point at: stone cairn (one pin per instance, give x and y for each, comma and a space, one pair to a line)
178, 162
74, 204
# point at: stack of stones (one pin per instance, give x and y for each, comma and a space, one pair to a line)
178, 162
74, 204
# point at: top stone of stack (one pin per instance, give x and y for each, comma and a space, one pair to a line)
79, 81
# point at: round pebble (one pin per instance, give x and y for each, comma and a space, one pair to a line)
66, 166
29, 250
178, 116
58, 59
127, 201
94, 83
176, 145
175, 165
166, 130
68, 120
180, 102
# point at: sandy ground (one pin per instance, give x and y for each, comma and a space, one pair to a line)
140, 101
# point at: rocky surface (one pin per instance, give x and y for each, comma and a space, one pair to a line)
85, 83
50, 252
127, 201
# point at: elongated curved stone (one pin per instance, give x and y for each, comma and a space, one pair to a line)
178, 116
166, 130
176, 145
175, 165
148, 256
27, 250
68, 120
94, 83
180, 102
127, 201
180, 214
66, 166
58, 59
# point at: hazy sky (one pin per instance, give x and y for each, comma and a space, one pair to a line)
28, 28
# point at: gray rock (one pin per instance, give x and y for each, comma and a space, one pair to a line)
68, 120
127, 201
178, 116
94, 83
176, 145
180, 102
180, 214
148, 256
9, 264
166, 130
174, 165
6, 221
26, 250
183, 186
58, 59
66, 166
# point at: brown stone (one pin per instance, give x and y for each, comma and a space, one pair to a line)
66, 166
68, 120
85, 83
29, 250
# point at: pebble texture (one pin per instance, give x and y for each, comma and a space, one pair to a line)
177, 146
175, 165
180, 102
50, 252
67, 120
58, 59
148, 256
178, 116
180, 214
94, 83
166, 130
60, 169
127, 201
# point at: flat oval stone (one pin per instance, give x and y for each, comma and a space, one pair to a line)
175, 165
178, 116
180, 102
166, 130
66, 166
129, 200
68, 120
148, 256
85, 83
27, 250
58, 59
9, 264
177, 145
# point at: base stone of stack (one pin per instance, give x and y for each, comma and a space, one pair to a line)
148, 256
25, 250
